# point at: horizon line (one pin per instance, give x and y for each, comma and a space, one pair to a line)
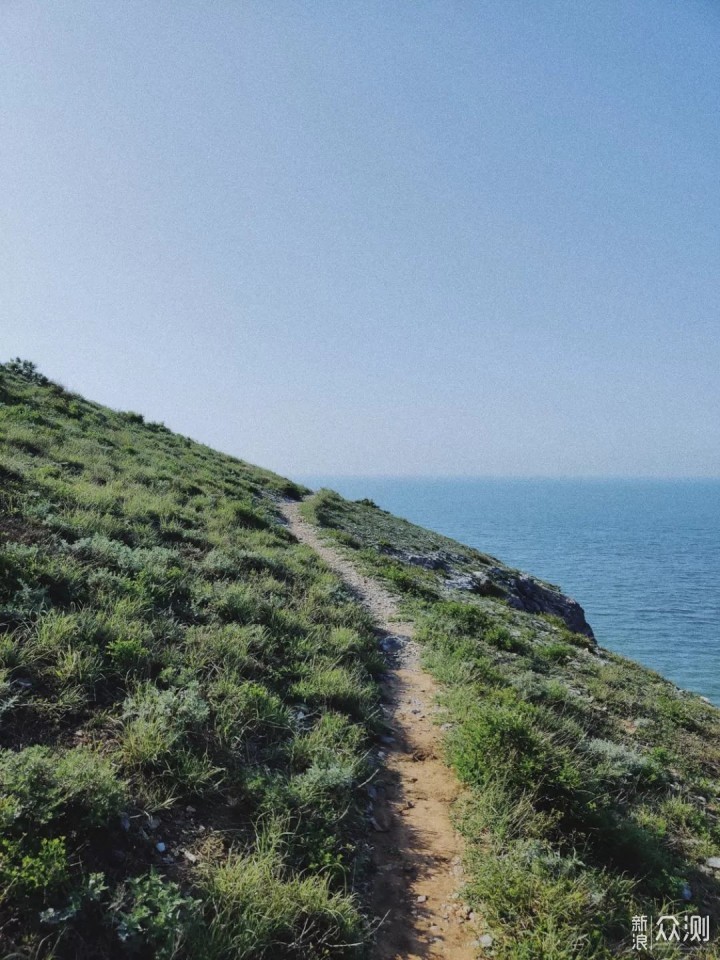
509, 476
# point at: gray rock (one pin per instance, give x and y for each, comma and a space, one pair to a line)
434, 560
486, 586
713, 863
522, 592
427, 561
534, 596
461, 581
485, 940
389, 644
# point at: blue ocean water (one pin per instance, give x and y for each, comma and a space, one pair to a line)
641, 556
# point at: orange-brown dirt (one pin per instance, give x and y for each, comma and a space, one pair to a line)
416, 851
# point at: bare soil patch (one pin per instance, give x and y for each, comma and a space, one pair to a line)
417, 852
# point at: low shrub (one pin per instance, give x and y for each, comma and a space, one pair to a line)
346, 689
499, 736
152, 917
258, 910
554, 907
247, 713
42, 786
34, 872
504, 639
165, 735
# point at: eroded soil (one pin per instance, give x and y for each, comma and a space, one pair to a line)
417, 852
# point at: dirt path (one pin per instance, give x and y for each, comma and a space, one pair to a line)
416, 850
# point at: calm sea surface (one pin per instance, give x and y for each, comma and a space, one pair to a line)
642, 557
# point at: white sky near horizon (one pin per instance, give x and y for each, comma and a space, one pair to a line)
423, 238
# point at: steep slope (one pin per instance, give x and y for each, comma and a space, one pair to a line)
593, 783
187, 699
191, 710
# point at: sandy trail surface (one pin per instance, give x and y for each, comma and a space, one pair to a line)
417, 852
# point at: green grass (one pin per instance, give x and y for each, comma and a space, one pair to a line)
176, 670
592, 783
188, 702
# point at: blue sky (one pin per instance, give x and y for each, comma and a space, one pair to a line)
369, 237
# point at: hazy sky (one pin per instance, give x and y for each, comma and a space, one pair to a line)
373, 237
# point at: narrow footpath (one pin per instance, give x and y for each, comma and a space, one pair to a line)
417, 853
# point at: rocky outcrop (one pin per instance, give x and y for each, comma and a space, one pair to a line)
533, 596
476, 582
523, 593
438, 560
520, 590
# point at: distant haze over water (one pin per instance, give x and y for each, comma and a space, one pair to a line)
641, 556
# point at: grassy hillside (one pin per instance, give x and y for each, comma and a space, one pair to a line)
188, 702
593, 783
186, 699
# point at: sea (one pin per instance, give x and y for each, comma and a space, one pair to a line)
641, 556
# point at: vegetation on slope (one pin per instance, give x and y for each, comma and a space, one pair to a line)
186, 699
593, 783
